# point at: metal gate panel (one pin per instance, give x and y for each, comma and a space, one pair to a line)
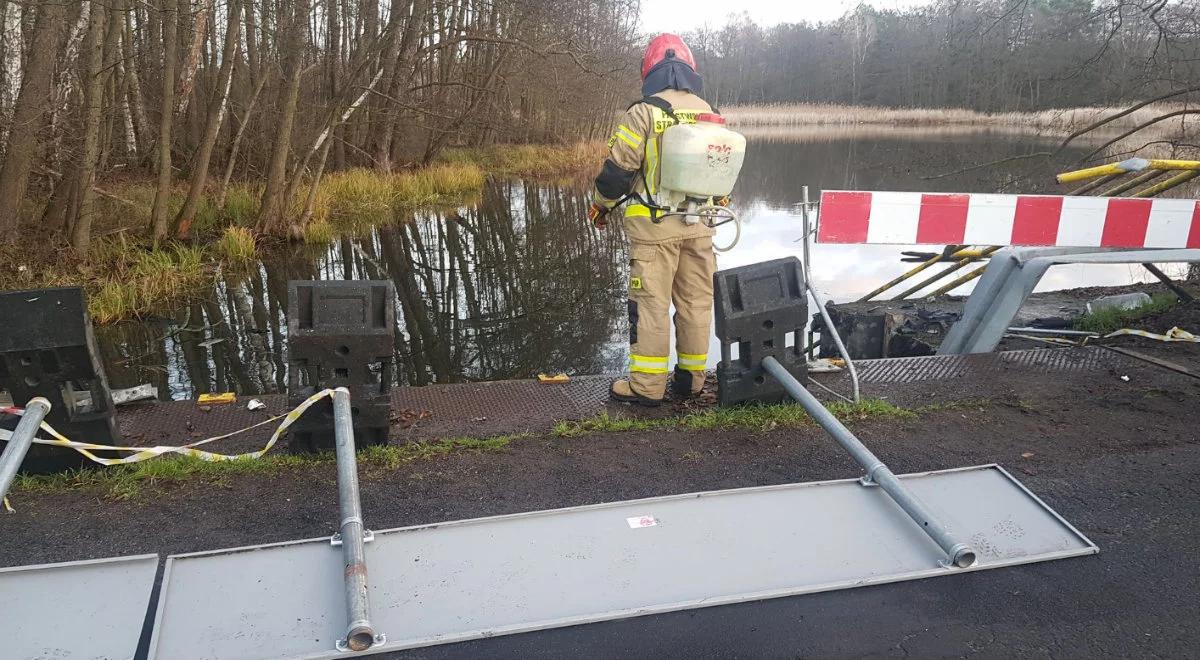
478, 578
79, 609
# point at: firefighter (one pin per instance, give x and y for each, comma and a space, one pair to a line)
670, 261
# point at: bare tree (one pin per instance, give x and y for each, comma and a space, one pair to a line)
170, 26
33, 101
216, 114
94, 79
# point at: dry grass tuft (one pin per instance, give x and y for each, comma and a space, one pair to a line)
237, 245
533, 161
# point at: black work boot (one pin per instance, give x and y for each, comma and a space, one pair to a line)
684, 384
622, 391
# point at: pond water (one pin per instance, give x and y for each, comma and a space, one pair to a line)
520, 284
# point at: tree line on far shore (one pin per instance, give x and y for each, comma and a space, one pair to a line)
199, 92
989, 55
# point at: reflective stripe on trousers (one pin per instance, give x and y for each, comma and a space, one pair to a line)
693, 361
648, 364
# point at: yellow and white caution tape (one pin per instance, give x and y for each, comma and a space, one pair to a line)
143, 453
1174, 334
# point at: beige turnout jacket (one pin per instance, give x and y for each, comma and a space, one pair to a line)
634, 148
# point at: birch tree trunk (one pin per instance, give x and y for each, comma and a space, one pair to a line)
187, 82
170, 25
216, 114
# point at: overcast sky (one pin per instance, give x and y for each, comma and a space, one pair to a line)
666, 15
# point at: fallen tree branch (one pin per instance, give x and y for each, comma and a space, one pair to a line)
1038, 154
97, 189
1137, 128
1128, 111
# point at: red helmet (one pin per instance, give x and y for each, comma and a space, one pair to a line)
663, 47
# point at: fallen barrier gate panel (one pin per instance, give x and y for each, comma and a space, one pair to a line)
473, 579
79, 609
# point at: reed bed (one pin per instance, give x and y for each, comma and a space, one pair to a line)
1059, 121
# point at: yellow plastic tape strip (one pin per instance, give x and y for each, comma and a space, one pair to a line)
1174, 334
144, 453
693, 361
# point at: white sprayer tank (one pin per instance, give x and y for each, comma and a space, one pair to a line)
701, 160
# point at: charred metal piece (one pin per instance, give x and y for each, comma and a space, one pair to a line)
47, 350
881, 330
341, 334
762, 309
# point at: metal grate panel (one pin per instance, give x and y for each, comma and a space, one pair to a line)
945, 367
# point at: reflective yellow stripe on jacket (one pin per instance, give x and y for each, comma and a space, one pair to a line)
648, 364
637, 211
661, 122
628, 136
693, 361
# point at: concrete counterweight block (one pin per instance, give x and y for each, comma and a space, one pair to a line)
341, 334
761, 309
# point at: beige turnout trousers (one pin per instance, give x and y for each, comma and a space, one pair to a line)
679, 272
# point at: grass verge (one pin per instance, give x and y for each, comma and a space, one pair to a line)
1111, 319
129, 481
766, 417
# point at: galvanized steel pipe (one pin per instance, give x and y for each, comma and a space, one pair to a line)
21, 441
959, 554
360, 634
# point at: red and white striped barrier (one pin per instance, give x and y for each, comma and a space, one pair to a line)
982, 219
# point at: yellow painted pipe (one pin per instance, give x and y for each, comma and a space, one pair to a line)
920, 267
964, 253
958, 265
1130, 165
958, 282
1092, 172
1168, 184
1094, 184
1143, 178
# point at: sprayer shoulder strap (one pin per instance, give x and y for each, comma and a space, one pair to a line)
661, 104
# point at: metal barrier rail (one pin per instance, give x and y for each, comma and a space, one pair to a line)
958, 554
360, 634
21, 441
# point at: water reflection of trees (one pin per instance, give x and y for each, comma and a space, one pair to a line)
514, 286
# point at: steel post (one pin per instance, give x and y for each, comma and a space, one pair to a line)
360, 635
816, 296
957, 553
21, 441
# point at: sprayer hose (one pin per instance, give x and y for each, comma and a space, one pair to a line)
713, 210
710, 211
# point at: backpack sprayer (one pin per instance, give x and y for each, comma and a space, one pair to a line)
700, 162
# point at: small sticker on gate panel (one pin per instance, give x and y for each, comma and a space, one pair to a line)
637, 522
